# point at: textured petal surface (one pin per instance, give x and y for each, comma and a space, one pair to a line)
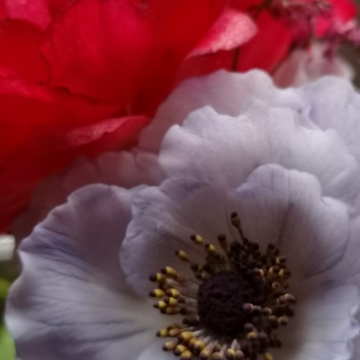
323, 326
261, 135
336, 106
228, 93
287, 207
231, 30
147, 32
71, 300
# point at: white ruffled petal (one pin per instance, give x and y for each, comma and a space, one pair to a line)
227, 93
164, 218
71, 299
218, 149
334, 104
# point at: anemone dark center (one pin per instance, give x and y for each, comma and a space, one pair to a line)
233, 304
220, 303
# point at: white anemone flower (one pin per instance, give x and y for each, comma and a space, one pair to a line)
245, 245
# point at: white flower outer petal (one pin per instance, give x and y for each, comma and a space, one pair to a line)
227, 93
288, 208
323, 325
71, 301
218, 149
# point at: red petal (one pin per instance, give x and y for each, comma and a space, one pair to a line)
43, 131
268, 47
37, 12
2, 9
206, 64
118, 47
19, 49
24, 107
343, 11
231, 30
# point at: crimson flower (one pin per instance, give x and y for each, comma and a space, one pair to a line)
83, 77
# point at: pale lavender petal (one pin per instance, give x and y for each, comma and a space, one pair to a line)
71, 299
219, 149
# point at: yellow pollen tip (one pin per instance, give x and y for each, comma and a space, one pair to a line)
216, 356
170, 310
186, 355
239, 355
186, 336
197, 239
162, 333
282, 273
169, 271
182, 255
252, 336
230, 353
268, 356
174, 332
210, 248
158, 277
173, 293
192, 342
169, 345
199, 345
180, 349
204, 354
171, 301
160, 305
158, 293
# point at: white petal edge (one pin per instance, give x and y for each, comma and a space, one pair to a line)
71, 300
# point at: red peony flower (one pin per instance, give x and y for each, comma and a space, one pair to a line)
82, 77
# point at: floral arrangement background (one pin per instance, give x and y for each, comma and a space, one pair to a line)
82, 81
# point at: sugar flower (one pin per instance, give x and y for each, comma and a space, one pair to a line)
245, 245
